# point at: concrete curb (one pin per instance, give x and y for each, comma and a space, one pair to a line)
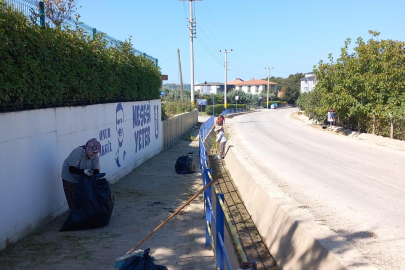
285, 229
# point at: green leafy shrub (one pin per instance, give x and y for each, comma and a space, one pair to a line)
172, 108
220, 108
52, 67
365, 88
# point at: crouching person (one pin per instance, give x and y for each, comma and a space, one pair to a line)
83, 160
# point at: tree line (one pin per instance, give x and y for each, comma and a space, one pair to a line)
366, 88
289, 89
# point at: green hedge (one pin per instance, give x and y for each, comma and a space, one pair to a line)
278, 102
55, 67
220, 108
172, 108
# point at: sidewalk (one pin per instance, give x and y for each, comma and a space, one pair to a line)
143, 199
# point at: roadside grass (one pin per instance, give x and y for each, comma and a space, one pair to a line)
190, 137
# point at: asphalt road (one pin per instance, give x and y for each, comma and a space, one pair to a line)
357, 188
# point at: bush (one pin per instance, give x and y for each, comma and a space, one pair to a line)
51, 67
172, 108
220, 108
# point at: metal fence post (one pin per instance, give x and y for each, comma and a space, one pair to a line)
94, 32
213, 104
220, 232
207, 209
209, 189
42, 14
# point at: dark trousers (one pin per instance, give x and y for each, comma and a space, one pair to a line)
69, 188
222, 149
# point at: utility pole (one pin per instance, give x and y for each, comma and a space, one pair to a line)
181, 77
192, 27
268, 85
226, 74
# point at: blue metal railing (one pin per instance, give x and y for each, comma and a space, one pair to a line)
206, 128
230, 111
218, 218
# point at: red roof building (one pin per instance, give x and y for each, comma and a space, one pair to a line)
252, 86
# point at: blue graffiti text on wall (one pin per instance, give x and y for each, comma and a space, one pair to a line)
104, 134
105, 148
142, 138
141, 115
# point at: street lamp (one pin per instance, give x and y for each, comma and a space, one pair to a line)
268, 85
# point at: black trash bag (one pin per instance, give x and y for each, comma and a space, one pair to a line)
184, 165
142, 263
93, 204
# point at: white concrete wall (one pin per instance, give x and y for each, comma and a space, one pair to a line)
34, 144
245, 88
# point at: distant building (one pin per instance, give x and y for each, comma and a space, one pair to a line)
207, 88
235, 83
252, 86
308, 82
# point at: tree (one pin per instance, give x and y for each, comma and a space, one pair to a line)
242, 97
58, 11
291, 94
366, 88
289, 88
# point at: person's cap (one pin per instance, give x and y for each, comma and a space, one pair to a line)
218, 128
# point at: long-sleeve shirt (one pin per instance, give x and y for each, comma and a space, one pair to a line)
77, 158
221, 137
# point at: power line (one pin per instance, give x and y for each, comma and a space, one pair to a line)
215, 23
243, 61
209, 52
168, 59
169, 46
217, 57
213, 46
245, 71
185, 10
220, 45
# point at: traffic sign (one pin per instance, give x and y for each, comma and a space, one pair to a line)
201, 102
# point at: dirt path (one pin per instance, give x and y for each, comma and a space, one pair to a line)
143, 199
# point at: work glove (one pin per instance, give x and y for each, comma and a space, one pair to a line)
88, 172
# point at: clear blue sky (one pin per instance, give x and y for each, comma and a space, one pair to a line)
290, 35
